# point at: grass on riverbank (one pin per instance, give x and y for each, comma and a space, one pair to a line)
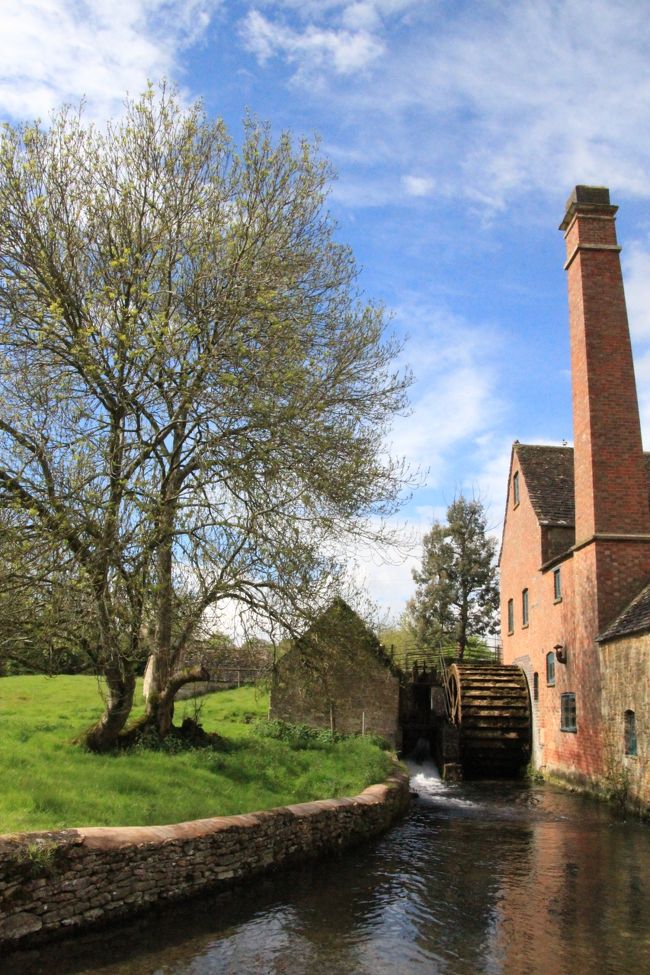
50, 783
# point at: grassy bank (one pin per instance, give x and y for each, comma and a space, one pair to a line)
50, 783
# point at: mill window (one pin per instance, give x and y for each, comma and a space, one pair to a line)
568, 712
515, 489
550, 669
557, 585
511, 616
630, 733
535, 686
524, 608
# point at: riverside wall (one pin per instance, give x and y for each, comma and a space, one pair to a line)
54, 883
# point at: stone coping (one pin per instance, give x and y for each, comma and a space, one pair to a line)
54, 883
116, 837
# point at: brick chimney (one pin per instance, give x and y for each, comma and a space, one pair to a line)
611, 484
610, 478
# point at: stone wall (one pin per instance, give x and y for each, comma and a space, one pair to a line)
626, 687
54, 883
360, 695
338, 676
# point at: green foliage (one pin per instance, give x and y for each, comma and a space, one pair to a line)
298, 736
48, 783
39, 857
46, 623
192, 397
457, 594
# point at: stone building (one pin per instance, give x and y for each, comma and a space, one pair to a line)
337, 676
575, 557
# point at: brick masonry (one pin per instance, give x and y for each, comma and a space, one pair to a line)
606, 558
55, 883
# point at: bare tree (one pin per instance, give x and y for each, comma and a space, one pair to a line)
193, 398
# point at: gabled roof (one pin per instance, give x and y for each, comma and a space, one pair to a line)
635, 618
339, 629
548, 472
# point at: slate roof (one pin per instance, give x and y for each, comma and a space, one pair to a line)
635, 618
548, 472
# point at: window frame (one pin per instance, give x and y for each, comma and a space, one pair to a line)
516, 493
629, 733
550, 669
511, 616
568, 712
557, 585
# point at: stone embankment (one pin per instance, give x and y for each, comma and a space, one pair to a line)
57, 882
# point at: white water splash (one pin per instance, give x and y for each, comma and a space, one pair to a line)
426, 782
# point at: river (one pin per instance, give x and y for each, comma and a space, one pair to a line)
494, 878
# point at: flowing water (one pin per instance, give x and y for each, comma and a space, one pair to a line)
498, 878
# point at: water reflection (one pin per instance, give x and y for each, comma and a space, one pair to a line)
480, 878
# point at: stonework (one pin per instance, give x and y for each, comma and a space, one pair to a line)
583, 524
338, 677
55, 883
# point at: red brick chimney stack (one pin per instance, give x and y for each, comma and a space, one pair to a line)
611, 486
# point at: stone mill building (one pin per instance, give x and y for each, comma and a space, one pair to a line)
575, 556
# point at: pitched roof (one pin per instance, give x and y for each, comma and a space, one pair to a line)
340, 629
635, 618
548, 472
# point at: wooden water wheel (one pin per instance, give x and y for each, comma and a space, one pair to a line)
490, 705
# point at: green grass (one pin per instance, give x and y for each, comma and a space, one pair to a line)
48, 782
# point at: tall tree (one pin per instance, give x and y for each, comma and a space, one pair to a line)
457, 594
193, 399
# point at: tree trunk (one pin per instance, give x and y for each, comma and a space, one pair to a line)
160, 703
121, 688
160, 709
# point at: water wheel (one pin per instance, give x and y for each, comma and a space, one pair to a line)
491, 707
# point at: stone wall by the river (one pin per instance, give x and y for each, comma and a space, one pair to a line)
53, 883
626, 690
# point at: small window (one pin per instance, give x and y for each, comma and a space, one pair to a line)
524, 608
515, 489
630, 733
511, 616
568, 712
557, 585
550, 669
535, 686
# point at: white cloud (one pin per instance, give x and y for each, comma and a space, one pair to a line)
312, 48
418, 185
511, 99
455, 398
53, 51
636, 269
636, 264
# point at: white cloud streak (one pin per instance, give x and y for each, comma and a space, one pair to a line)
55, 51
505, 98
344, 50
455, 399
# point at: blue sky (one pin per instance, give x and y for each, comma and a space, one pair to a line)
457, 131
